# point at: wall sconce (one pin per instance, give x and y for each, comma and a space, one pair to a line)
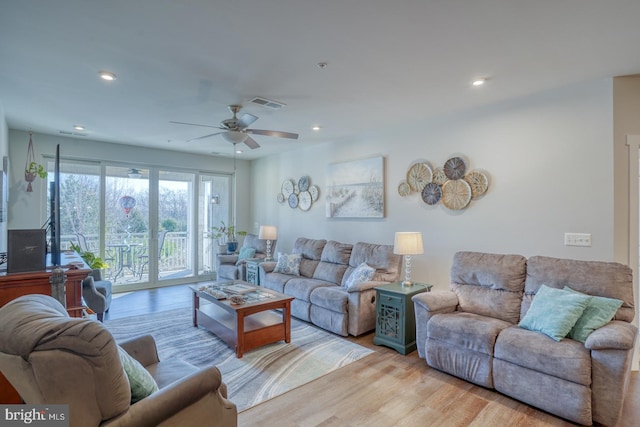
268, 233
215, 199
408, 243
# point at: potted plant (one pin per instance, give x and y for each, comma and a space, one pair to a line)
95, 263
33, 171
226, 235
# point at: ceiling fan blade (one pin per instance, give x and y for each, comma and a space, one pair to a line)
275, 133
251, 143
194, 124
246, 120
203, 137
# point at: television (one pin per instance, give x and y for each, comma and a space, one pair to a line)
54, 219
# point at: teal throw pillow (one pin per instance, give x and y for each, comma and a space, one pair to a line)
140, 380
246, 253
362, 273
288, 264
554, 312
598, 313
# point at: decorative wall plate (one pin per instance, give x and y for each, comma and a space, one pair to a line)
303, 183
432, 193
418, 176
280, 198
478, 183
456, 194
304, 200
439, 177
404, 189
293, 200
315, 192
287, 188
454, 168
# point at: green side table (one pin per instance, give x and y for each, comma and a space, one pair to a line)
395, 316
253, 274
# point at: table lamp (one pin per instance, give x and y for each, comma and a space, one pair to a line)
407, 243
268, 233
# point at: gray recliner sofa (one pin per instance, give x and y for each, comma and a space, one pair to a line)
319, 291
472, 332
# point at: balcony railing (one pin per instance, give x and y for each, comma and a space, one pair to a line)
127, 254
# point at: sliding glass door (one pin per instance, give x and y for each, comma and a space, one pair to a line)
150, 225
175, 226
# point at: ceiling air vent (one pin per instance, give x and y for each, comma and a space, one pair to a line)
274, 105
64, 132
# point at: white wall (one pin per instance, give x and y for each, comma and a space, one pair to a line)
27, 210
550, 162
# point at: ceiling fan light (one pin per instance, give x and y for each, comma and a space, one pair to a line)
134, 173
234, 137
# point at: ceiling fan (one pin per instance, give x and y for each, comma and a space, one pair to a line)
236, 130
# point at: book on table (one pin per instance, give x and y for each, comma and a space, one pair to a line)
239, 289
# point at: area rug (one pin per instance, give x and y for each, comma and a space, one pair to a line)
260, 374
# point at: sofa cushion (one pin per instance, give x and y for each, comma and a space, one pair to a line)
334, 260
554, 312
380, 257
489, 284
332, 298
302, 287
275, 281
288, 264
140, 380
245, 253
336, 252
567, 359
362, 273
309, 248
598, 313
466, 331
597, 278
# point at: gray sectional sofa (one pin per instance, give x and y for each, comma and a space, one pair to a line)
320, 293
472, 332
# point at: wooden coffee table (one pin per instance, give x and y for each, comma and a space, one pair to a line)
244, 326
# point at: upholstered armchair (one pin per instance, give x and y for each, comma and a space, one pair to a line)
51, 358
232, 266
97, 295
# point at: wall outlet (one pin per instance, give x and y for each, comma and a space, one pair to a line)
577, 239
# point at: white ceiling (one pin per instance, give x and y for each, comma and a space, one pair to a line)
390, 63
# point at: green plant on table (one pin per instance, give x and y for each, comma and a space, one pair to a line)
225, 233
94, 262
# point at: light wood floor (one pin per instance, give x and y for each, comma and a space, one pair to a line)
383, 389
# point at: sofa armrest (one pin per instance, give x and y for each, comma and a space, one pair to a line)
441, 302
267, 266
227, 259
365, 286
180, 396
143, 349
614, 335
426, 305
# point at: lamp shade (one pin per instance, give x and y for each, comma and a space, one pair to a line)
268, 232
408, 243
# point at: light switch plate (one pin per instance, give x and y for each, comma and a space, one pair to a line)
577, 239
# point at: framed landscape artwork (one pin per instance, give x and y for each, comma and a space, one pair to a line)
355, 189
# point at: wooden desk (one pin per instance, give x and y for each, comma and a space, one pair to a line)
37, 282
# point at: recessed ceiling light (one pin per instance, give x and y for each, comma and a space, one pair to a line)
479, 82
316, 128
78, 127
107, 75
238, 151
322, 65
